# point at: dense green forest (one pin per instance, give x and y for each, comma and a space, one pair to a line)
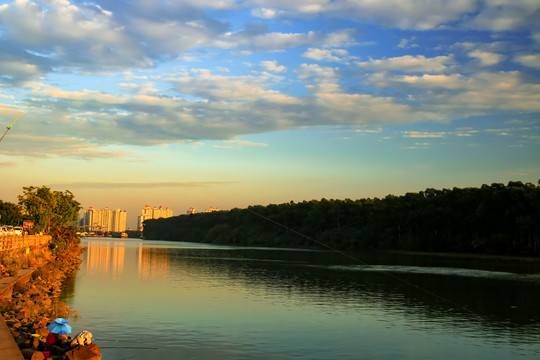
492, 219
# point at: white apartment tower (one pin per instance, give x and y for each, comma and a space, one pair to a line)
105, 220
153, 213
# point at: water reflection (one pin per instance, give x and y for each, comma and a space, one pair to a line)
110, 257
103, 257
153, 263
267, 303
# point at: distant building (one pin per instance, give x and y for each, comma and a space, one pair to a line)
106, 220
192, 210
153, 213
119, 221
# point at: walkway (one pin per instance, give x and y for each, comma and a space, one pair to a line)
9, 350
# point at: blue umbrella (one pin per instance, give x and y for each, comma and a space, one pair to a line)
59, 326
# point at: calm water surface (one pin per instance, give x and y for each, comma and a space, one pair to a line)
169, 300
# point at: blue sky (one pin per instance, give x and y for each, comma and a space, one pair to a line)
234, 103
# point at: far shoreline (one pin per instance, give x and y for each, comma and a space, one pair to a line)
479, 256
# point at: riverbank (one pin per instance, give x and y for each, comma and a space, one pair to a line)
34, 303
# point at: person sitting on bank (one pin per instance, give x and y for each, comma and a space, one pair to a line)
57, 329
52, 339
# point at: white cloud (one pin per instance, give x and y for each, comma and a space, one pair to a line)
405, 14
265, 13
530, 60
407, 43
410, 63
328, 55
19, 69
494, 15
59, 24
202, 83
504, 15
272, 65
163, 99
486, 58
256, 38
319, 79
460, 95
425, 81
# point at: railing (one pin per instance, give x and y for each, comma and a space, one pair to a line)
13, 242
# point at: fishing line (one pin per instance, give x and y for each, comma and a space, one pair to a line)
131, 356
129, 347
13, 122
126, 347
354, 258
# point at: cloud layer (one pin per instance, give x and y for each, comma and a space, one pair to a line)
150, 72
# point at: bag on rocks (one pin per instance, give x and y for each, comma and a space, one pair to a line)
82, 338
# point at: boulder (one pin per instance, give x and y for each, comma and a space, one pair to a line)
84, 352
31, 354
43, 331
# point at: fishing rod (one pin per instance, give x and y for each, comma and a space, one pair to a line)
13, 122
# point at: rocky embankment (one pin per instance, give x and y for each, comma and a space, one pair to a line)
35, 304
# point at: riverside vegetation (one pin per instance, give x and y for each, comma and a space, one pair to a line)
35, 303
493, 219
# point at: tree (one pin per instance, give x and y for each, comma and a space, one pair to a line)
49, 209
10, 214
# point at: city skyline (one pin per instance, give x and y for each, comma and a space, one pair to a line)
102, 220
237, 103
146, 212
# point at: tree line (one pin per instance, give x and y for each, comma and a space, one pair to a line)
52, 213
491, 219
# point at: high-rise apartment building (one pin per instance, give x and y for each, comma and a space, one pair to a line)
119, 221
106, 220
148, 212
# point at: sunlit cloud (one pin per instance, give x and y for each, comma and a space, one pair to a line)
147, 83
410, 64
273, 66
486, 58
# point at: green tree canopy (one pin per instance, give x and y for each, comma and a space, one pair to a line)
49, 209
494, 219
10, 214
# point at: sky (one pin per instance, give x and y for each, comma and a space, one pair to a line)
231, 103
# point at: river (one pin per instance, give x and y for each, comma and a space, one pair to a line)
172, 300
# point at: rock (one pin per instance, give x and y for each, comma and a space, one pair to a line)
31, 354
34, 305
27, 343
84, 352
15, 324
36, 343
43, 331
